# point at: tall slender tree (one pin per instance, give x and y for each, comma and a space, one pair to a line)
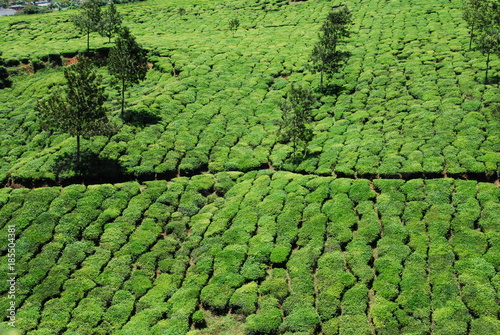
488, 30
326, 58
89, 20
472, 14
127, 62
297, 116
234, 24
111, 22
79, 108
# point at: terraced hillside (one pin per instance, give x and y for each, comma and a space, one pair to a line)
411, 99
257, 253
389, 225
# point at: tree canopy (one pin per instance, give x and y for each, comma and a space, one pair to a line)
297, 116
79, 108
487, 21
111, 22
127, 62
4, 75
89, 20
326, 57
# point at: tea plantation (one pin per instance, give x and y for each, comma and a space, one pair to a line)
194, 218
257, 253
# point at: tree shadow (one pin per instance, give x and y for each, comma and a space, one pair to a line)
91, 167
331, 89
140, 117
492, 80
299, 157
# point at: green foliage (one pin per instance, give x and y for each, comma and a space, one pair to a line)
127, 62
244, 300
266, 321
88, 21
4, 75
110, 23
326, 58
297, 115
80, 110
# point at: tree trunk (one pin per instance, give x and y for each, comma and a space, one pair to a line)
471, 36
88, 41
123, 96
487, 68
78, 151
321, 81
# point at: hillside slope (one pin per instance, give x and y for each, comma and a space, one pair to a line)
411, 99
257, 253
194, 219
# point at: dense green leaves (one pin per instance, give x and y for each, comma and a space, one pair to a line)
276, 252
297, 116
326, 57
80, 110
89, 20
127, 62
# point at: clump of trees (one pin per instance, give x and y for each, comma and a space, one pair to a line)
326, 57
107, 23
78, 109
33, 9
483, 19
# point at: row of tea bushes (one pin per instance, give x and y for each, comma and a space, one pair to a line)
265, 251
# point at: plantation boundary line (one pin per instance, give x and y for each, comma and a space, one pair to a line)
168, 176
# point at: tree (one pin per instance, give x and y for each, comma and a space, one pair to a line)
488, 37
233, 25
77, 109
111, 22
4, 75
89, 20
297, 116
326, 58
471, 14
181, 11
127, 62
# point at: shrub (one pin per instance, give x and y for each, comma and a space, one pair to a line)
198, 319
355, 300
56, 314
244, 299
330, 327
253, 269
275, 284
302, 319
280, 253
138, 283
216, 297
266, 321
383, 316
87, 314
163, 287
360, 190
485, 325
354, 325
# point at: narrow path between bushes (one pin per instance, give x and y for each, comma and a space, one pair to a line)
121, 178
